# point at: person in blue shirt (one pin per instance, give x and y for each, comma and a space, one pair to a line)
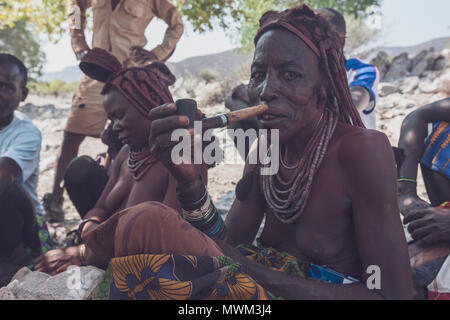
21, 215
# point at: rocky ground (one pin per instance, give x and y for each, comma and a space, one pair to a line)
407, 83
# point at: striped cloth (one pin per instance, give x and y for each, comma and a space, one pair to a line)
439, 289
436, 153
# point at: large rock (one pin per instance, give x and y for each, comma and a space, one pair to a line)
440, 63
381, 61
21, 274
25, 289
6, 294
399, 68
385, 89
77, 283
422, 61
419, 57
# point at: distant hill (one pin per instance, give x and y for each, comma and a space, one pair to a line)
438, 44
68, 74
226, 64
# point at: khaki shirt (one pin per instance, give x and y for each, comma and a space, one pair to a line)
115, 31
119, 30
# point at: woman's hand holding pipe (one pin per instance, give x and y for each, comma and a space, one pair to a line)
164, 122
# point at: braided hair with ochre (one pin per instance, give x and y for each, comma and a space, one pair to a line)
146, 87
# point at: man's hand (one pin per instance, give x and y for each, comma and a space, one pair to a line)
58, 260
80, 54
431, 224
408, 200
361, 97
142, 56
411, 202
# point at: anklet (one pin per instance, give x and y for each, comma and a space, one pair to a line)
407, 179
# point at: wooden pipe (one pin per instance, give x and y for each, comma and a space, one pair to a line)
233, 117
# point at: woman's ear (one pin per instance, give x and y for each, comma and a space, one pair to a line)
162, 71
24, 93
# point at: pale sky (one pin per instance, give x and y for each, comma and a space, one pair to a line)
410, 22
404, 23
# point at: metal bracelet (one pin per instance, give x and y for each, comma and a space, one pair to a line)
81, 226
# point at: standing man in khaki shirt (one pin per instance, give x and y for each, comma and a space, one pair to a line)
119, 27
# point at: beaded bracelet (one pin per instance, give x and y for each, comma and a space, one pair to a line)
199, 213
407, 179
194, 205
191, 204
206, 219
202, 214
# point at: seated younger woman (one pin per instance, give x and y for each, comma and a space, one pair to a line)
137, 176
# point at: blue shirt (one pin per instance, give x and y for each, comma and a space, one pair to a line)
366, 76
21, 142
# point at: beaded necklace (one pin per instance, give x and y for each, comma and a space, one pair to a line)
140, 161
287, 198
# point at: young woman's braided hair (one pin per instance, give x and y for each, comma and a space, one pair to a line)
145, 87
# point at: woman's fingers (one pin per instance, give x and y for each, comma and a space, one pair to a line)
168, 124
431, 238
422, 232
200, 115
416, 224
164, 141
165, 110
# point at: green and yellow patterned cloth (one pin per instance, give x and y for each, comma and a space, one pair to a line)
184, 277
44, 235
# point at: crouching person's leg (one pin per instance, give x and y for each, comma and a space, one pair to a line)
84, 180
19, 240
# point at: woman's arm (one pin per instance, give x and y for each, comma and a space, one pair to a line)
412, 135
